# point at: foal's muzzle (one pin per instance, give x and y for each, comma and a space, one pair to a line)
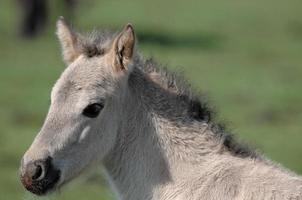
39, 176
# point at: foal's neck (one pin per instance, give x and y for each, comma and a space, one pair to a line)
155, 139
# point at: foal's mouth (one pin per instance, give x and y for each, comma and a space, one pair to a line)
41, 187
40, 179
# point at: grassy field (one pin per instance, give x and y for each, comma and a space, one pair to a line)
247, 55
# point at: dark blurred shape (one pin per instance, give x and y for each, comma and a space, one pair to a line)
70, 4
35, 15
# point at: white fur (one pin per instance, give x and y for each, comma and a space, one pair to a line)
149, 150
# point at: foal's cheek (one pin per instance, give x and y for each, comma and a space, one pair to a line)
84, 134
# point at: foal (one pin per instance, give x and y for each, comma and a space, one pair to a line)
156, 140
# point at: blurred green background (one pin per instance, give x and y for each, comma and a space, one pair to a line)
247, 55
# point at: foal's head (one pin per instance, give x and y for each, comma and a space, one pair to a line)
82, 122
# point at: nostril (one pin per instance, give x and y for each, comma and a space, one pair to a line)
38, 173
39, 176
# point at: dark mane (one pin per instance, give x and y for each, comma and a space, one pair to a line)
198, 107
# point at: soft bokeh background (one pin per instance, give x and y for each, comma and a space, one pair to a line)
247, 55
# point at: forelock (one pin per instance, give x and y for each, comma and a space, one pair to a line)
95, 43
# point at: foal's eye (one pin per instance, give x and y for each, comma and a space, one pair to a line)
93, 110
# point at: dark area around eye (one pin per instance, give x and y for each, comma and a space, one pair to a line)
93, 110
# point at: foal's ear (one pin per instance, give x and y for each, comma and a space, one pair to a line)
123, 48
68, 40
